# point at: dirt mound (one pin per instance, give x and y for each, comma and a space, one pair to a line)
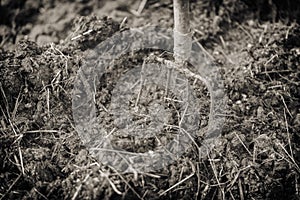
42, 156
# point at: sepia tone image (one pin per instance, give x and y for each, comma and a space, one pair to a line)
150, 99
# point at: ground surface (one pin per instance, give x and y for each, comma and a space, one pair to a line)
256, 46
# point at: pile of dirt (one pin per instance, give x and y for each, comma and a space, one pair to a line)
42, 156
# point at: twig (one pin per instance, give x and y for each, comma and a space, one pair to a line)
80, 186
204, 50
227, 58
168, 81
183, 114
275, 71
288, 132
286, 106
40, 193
11, 186
216, 176
19, 148
111, 132
223, 42
80, 35
179, 68
142, 80
180, 182
292, 159
16, 106
110, 182
189, 135
198, 181
237, 175
132, 189
245, 31
174, 100
141, 7
272, 58
150, 175
44, 131
231, 195
241, 189
21, 158
55, 80
5, 101
123, 23
297, 185
262, 34
243, 144
48, 102
288, 31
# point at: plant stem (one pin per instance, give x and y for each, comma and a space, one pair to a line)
181, 16
182, 33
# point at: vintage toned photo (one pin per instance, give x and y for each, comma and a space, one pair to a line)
150, 99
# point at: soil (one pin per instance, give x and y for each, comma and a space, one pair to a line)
255, 44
